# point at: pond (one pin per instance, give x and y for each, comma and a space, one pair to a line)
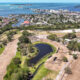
43, 50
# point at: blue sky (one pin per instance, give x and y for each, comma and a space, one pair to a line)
64, 1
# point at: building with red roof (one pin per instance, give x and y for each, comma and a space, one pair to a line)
26, 22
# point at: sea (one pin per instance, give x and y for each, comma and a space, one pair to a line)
7, 9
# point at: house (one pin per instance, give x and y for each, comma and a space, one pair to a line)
26, 22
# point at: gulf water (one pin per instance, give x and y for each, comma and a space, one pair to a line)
26, 8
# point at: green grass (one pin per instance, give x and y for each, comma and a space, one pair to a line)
18, 54
12, 67
23, 61
42, 72
1, 50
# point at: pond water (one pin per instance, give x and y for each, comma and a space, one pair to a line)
43, 50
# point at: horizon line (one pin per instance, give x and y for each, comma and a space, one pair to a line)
39, 2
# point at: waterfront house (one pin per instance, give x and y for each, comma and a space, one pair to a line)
26, 23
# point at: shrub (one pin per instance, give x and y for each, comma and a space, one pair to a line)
68, 70
25, 33
4, 42
22, 74
75, 56
10, 35
24, 39
9, 38
1, 45
53, 37
70, 36
65, 59
74, 46
22, 45
0, 31
31, 48
16, 61
24, 51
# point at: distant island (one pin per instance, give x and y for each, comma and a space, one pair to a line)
78, 6
22, 4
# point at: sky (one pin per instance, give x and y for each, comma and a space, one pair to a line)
49, 1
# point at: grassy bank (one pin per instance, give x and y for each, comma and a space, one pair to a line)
42, 72
1, 50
